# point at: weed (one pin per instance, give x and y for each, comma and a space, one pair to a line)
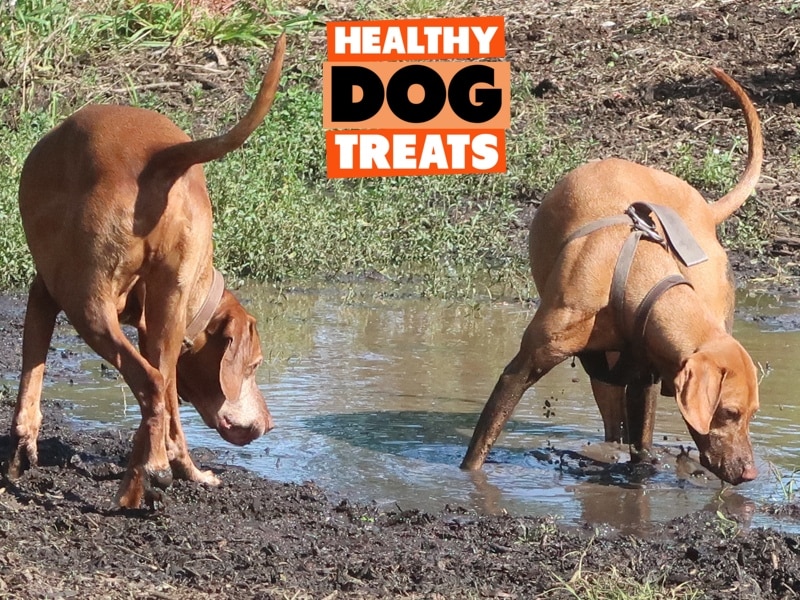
615, 586
366, 9
657, 20
786, 483
727, 527
714, 173
790, 8
538, 534
40, 35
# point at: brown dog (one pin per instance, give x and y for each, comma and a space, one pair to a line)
683, 334
117, 217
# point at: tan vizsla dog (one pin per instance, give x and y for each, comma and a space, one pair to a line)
118, 220
668, 320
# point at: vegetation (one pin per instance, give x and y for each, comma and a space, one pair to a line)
278, 217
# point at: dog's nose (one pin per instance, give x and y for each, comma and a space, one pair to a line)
749, 473
269, 424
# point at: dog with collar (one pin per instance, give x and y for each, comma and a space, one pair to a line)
117, 217
657, 310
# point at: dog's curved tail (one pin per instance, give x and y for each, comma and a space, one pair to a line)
178, 158
725, 206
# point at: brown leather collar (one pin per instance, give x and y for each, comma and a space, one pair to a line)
206, 311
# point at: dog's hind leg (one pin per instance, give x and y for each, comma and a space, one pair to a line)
40, 319
551, 337
640, 407
610, 401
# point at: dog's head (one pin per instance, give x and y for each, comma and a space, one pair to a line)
717, 394
217, 375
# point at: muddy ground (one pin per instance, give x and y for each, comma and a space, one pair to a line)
60, 536
635, 84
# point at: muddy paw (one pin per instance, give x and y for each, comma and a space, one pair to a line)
143, 485
131, 492
206, 477
159, 478
153, 497
186, 469
24, 456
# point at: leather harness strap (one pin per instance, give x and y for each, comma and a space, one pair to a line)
593, 226
206, 311
621, 271
637, 215
643, 312
643, 227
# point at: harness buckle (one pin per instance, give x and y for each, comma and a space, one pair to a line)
645, 224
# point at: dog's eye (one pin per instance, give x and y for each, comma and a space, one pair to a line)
730, 414
251, 369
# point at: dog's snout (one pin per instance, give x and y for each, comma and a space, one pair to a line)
749, 473
269, 424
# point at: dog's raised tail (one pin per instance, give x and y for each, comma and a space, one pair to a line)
180, 157
727, 205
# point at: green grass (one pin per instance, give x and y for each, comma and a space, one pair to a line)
715, 174
786, 482
614, 586
277, 216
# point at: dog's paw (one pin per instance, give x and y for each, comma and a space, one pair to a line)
207, 477
142, 484
186, 469
25, 455
131, 493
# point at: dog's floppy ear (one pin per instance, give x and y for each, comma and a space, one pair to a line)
238, 337
698, 389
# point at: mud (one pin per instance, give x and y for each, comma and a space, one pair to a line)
252, 538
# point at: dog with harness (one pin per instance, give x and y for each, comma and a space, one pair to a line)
634, 282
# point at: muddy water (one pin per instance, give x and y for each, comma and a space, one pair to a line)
375, 399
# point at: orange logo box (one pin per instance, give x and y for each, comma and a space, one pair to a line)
389, 113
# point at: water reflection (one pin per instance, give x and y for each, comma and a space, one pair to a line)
376, 397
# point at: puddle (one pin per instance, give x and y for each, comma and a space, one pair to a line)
375, 399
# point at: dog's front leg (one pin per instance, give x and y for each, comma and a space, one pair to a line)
148, 468
162, 351
551, 337
641, 397
628, 414
40, 320
183, 466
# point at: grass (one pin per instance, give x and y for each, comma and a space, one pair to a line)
614, 586
715, 174
277, 217
786, 483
